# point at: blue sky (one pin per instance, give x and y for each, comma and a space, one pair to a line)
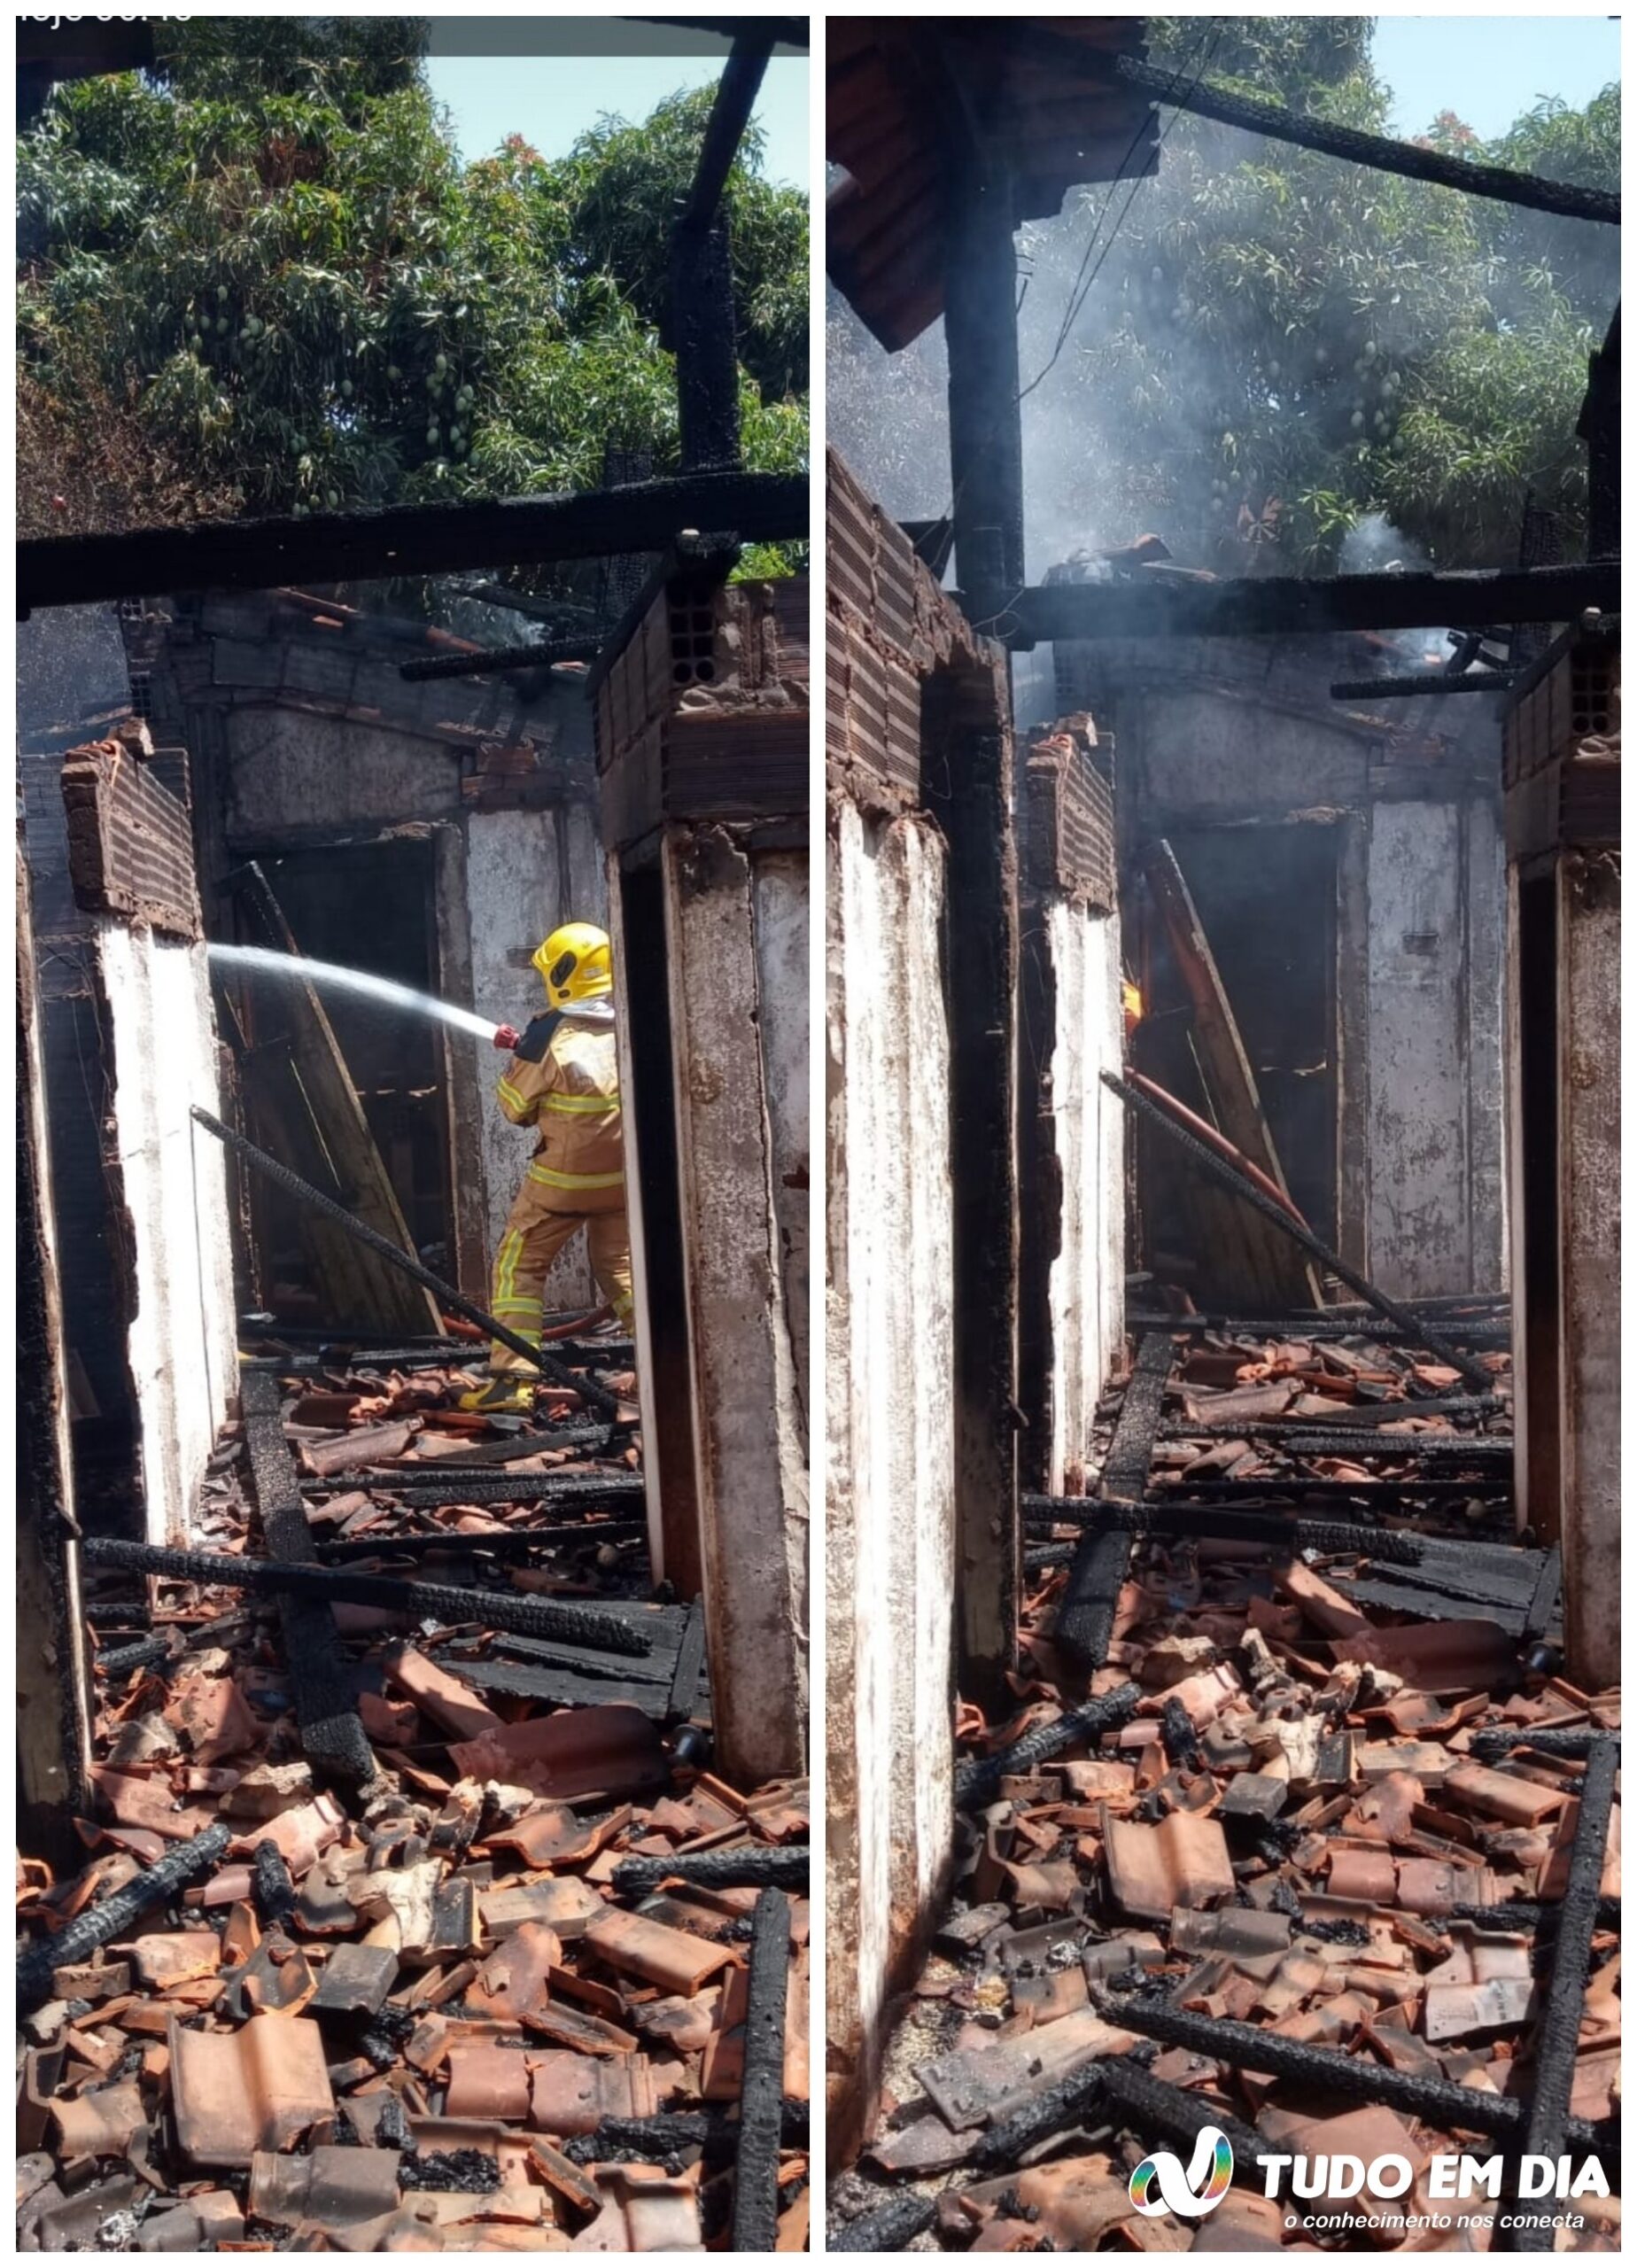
1490, 69
551, 99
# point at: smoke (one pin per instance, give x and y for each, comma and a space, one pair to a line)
1373, 546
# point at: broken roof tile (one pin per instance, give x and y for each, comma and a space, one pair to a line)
261, 2087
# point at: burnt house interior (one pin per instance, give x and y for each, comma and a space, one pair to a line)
1277, 1631
413, 1809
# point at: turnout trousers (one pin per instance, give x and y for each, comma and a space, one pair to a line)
542, 1220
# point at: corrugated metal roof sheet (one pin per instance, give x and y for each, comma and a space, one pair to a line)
1050, 130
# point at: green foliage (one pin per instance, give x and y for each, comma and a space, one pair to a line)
625, 185
1269, 324
272, 260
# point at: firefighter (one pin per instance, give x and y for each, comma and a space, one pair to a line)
562, 1079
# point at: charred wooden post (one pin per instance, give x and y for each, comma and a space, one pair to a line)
968, 771
1071, 1139
1599, 428
1562, 1025
53, 1724
986, 418
702, 324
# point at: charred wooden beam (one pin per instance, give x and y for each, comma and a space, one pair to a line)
1252, 114
144, 1653
1525, 1915
1125, 1469
1269, 1488
710, 2131
888, 2227
1558, 2032
761, 2094
1219, 1171
730, 114
332, 1732
408, 539
1418, 688
591, 1491
493, 660
1085, 1618
975, 1783
456, 1302
117, 1914
779, 1866
690, 1666
1281, 606
781, 31
530, 1616
1363, 1442
1084, 1627
1326, 2070
504, 1543
1329, 1324
1569, 1741
1164, 1523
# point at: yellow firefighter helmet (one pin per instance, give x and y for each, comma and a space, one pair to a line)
574, 964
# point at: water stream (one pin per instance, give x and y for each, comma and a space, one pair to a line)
260, 962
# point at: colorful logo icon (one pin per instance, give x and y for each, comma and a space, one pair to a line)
1191, 2194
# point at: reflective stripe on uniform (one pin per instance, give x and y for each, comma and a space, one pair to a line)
554, 1180
509, 1094
506, 1266
591, 1104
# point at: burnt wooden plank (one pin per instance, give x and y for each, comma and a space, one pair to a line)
761, 2096
300, 1077
690, 1665
1125, 1469
1282, 1272
567, 1689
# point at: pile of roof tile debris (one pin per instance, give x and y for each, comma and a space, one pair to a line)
1297, 1831
412, 1918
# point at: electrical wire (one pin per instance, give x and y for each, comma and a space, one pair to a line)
1080, 291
